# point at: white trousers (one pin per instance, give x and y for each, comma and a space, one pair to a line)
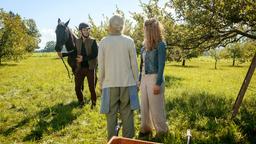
152, 106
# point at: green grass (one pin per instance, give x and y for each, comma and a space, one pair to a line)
38, 104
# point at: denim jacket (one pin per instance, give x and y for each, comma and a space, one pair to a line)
154, 62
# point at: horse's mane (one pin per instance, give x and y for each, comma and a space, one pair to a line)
72, 40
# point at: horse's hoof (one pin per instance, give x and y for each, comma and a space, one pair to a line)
81, 104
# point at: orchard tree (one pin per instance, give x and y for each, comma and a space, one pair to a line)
50, 46
137, 34
13, 37
216, 55
215, 23
33, 35
101, 31
152, 10
235, 52
249, 49
242, 52
16, 38
176, 34
188, 54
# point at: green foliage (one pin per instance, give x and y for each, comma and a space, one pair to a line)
137, 34
176, 35
17, 38
50, 46
150, 10
178, 54
33, 35
216, 23
100, 31
242, 52
249, 49
215, 54
235, 52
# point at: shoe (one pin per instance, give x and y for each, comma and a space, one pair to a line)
159, 137
93, 105
145, 135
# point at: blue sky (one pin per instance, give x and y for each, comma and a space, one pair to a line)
46, 12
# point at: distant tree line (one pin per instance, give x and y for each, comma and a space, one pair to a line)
49, 47
238, 52
196, 28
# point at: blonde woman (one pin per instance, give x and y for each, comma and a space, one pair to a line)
151, 81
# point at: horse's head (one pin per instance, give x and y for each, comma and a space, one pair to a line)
62, 34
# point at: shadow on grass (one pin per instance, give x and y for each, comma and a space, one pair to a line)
52, 119
180, 66
218, 69
172, 81
236, 66
48, 120
55, 58
7, 65
204, 104
15, 127
209, 117
246, 119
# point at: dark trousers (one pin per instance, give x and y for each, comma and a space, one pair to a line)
79, 82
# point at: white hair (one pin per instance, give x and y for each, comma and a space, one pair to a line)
116, 23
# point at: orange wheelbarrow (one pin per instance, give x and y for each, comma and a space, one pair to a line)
122, 140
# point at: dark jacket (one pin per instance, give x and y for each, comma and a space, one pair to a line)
89, 50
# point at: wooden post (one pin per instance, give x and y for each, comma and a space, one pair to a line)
244, 86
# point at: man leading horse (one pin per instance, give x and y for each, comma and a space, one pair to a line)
87, 52
86, 62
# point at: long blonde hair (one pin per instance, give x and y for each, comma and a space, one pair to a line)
152, 33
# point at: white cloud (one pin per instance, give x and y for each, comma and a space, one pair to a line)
46, 35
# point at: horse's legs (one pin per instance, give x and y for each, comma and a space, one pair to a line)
82, 87
95, 78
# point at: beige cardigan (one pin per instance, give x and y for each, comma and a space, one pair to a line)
117, 62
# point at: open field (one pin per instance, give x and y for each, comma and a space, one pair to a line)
38, 104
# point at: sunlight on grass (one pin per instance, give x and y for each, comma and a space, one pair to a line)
38, 104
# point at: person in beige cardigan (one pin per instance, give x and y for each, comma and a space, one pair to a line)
118, 76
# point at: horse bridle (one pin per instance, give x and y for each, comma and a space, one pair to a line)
67, 31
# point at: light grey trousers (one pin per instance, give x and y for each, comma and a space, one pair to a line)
120, 102
152, 106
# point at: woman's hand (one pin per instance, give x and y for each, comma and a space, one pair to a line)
156, 89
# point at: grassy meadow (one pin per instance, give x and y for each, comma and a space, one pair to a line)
38, 104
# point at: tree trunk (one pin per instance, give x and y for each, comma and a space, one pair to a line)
234, 62
183, 62
215, 64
